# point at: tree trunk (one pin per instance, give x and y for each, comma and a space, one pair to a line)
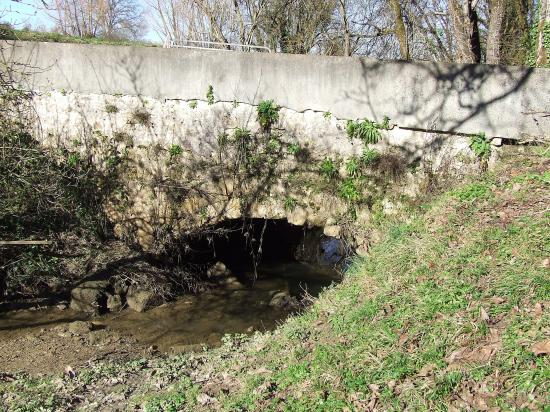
466, 29
542, 53
345, 24
400, 30
494, 34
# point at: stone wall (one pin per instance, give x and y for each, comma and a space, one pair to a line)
197, 187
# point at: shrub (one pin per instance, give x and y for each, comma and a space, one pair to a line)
123, 137
268, 114
44, 196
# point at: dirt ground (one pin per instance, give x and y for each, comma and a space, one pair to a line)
71, 344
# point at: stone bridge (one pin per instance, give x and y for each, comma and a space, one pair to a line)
171, 120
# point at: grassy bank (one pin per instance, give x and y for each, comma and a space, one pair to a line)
7, 33
449, 311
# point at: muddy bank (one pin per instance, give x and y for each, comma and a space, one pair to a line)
48, 339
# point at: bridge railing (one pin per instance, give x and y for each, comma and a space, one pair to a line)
214, 45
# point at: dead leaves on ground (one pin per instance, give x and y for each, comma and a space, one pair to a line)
541, 348
479, 354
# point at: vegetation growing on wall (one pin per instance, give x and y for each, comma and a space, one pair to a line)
210, 95
481, 146
268, 114
249, 163
45, 193
367, 130
140, 116
111, 108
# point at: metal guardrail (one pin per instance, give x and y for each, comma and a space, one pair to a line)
214, 45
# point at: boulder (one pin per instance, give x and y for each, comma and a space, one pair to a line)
218, 270
80, 327
282, 299
232, 283
89, 296
140, 299
180, 349
114, 303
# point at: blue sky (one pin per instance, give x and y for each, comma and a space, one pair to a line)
26, 13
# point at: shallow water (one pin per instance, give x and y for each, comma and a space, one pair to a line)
196, 320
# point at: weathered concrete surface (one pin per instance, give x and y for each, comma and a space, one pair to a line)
500, 101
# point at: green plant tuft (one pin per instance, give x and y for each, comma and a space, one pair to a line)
268, 114
193, 104
111, 108
473, 191
273, 145
241, 134
367, 130
175, 150
481, 146
352, 167
223, 140
290, 204
210, 95
73, 159
294, 148
369, 156
328, 168
348, 191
